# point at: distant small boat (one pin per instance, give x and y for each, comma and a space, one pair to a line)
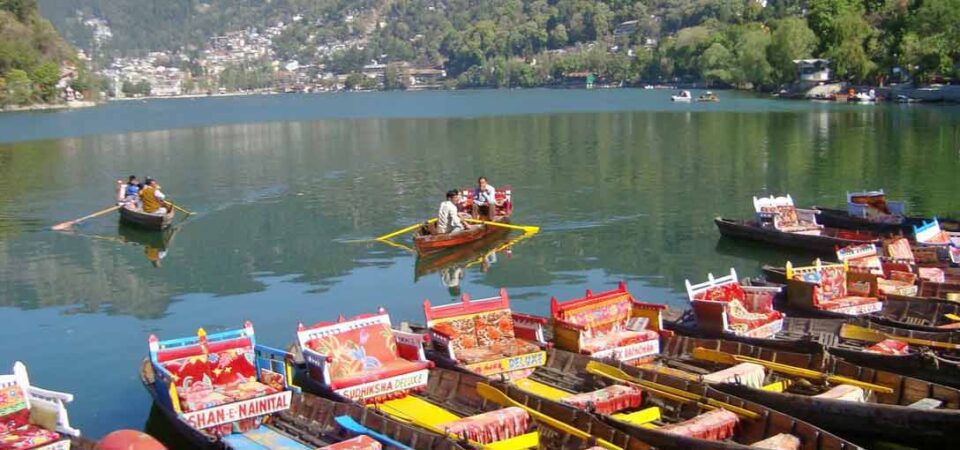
682, 96
708, 97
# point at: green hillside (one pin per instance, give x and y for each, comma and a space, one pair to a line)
31, 55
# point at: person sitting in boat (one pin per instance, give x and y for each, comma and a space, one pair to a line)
448, 217
153, 199
127, 192
484, 199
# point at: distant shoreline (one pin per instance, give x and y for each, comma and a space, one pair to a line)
50, 106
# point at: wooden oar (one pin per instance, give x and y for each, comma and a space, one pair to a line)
613, 373
525, 228
181, 209
705, 354
412, 419
402, 230
66, 225
499, 397
952, 317
856, 332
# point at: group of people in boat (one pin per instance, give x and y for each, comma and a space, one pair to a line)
452, 218
145, 197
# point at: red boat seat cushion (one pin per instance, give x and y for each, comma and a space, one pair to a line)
25, 437
715, 425
387, 370
484, 336
363, 354
16, 431
745, 311
491, 426
497, 350
899, 248
599, 316
608, 400
845, 302
890, 347
934, 274
357, 443
617, 338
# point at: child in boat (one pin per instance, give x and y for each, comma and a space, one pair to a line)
128, 193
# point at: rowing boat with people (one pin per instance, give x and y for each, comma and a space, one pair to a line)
428, 238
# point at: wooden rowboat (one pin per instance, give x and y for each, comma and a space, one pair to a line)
152, 222
427, 240
839, 218
663, 418
824, 242
460, 255
913, 412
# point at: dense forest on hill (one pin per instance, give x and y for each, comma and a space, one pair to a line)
31, 55
531, 42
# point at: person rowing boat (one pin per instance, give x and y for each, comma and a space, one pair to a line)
448, 217
153, 199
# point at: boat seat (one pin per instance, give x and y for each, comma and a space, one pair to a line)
31, 417
747, 374
364, 349
889, 347
201, 396
490, 426
852, 305
715, 425
479, 334
608, 400
828, 288
723, 305
609, 324
926, 403
25, 436
844, 392
357, 443
782, 441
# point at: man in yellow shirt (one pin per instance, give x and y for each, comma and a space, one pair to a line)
153, 199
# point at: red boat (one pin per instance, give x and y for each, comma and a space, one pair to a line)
427, 240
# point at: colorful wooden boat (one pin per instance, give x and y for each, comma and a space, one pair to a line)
780, 223
225, 391
147, 221
427, 240
661, 411
461, 255
836, 396
22, 408
363, 360
870, 210
823, 242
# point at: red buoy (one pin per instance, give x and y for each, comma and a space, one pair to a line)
129, 440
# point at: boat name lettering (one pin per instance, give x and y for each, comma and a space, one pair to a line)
509, 364
397, 383
232, 412
632, 351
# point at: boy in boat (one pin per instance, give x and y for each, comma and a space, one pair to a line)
448, 217
153, 199
128, 193
484, 199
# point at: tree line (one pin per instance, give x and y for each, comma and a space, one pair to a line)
31, 55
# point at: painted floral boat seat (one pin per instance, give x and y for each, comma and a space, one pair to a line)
201, 373
492, 426
30, 417
785, 216
715, 425
722, 305
364, 358
357, 443
889, 347
608, 324
828, 287
485, 337
892, 278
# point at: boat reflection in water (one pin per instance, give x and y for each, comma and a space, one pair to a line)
453, 263
155, 243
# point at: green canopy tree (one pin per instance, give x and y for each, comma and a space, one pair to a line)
45, 78
19, 87
791, 39
716, 64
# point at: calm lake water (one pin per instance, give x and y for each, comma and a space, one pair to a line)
624, 184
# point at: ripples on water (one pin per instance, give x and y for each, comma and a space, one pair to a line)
625, 192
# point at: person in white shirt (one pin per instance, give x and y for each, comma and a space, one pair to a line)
484, 199
448, 217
